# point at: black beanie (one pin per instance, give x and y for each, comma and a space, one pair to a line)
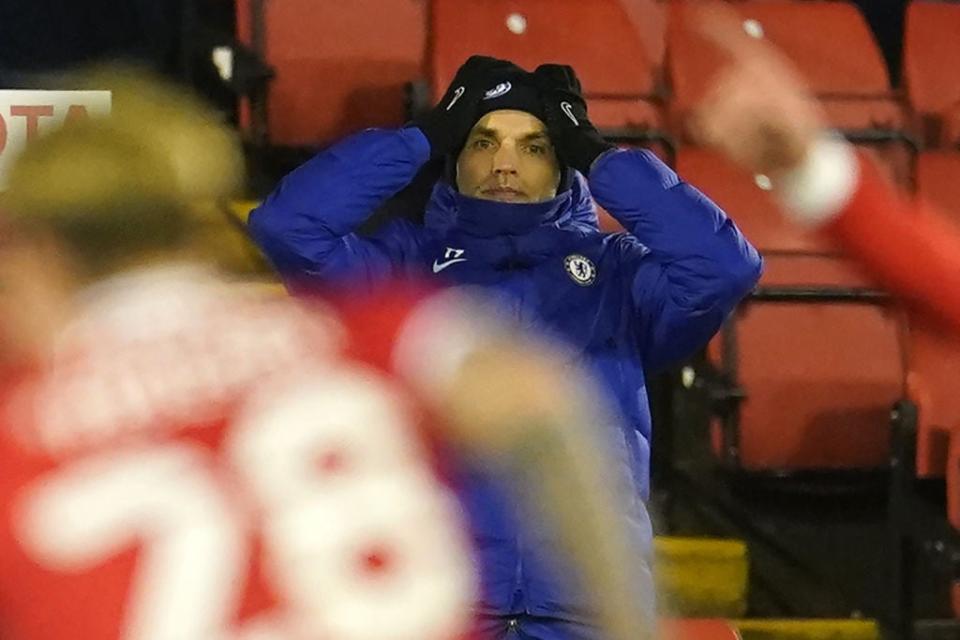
515, 91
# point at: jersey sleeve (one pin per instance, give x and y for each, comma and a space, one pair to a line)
912, 249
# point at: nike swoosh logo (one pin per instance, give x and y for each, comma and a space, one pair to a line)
440, 266
456, 96
567, 108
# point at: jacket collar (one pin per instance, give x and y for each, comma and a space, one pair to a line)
448, 210
510, 235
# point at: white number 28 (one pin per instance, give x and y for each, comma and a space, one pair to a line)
361, 541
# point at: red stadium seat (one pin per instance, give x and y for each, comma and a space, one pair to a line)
619, 76
933, 363
931, 76
749, 202
820, 365
340, 66
951, 127
697, 629
819, 380
829, 42
933, 376
926, 426
834, 50
813, 272
938, 180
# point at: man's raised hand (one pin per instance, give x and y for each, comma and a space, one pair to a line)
759, 112
447, 125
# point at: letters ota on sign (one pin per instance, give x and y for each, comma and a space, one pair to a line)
24, 115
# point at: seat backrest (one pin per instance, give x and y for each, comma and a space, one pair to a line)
830, 42
938, 180
931, 48
340, 66
933, 356
598, 38
950, 129
820, 379
749, 201
933, 385
649, 17
814, 271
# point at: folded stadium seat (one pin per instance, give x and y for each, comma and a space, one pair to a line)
339, 66
817, 380
926, 429
931, 76
832, 46
620, 78
926, 424
938, 180
810, 364
933, 363
951, 127
933, 376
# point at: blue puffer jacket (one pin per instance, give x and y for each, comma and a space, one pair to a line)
628, 302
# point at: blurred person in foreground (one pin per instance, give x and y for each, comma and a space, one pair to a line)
514, 215
761, 115
186, 460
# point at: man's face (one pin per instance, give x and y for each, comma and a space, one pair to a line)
508, 157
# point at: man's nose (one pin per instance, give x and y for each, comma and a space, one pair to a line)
505, 160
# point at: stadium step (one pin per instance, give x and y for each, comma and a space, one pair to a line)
796, 629
701, 577
220, 234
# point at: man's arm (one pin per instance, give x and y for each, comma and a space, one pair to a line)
699, 265
514, 405
761, 115
519, 411
307, 225
910, 248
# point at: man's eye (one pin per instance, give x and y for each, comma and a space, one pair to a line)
482, 143
537, 149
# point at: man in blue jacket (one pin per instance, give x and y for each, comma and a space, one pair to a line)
515, 215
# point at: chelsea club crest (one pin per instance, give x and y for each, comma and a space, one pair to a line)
580, 269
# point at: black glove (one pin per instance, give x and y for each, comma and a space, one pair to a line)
448, 124
577, 141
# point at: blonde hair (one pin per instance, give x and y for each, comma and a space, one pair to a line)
116, 188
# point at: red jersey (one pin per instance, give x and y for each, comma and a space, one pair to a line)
910, 248
200, 464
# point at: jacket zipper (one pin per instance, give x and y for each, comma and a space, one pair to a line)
518, 586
